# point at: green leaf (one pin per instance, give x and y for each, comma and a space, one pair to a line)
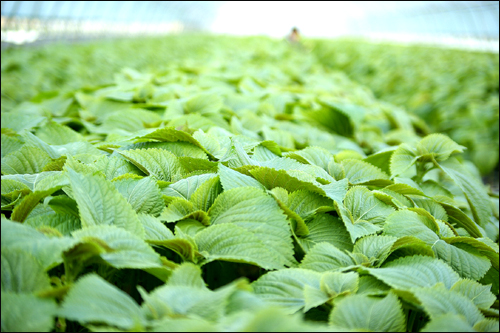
211, 143
434, 208
298, 225
432, 188
184, 188
284, 139
154, 229
375, 248
438, 300
181, 324
179, 149
409, 246
356, 230
339, 284
365, 313
306, 203
99, 107
10, 143
83, 168
100, 203
194, 121
334, 118
336, 170
362, 211
448, 323
456, 216
180, 209
203, 103
392, 198
45, 187
481, 295
19, 121
122, 249
439, 146
28, 203
473, 190
170, 134
272, 178
115, 166
63, 204
484, 246
187, 274
262, 153
236, 156
405, 189
408, 223
335, 190
486, 325
27, 313
305, 172
32, 141
326, 257
158, 163
229, 242
492, 277
64, 223
22, 273
205, 195
416, 271
25, 160
364, 207
127, 121
187, 301
232, 179
312, 155
9, 204
47, 250
381, 160
468, 263
57, 134
402, 159
325, 228
314, 297
363, 173
239, 206
190, 165
56, 165
370, 286
285, 288
12, 187
269, 318
190, 227
93, 300
143, 195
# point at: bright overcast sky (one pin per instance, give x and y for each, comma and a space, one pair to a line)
336, 18
276, 18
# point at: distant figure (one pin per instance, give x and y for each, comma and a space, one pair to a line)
294, 36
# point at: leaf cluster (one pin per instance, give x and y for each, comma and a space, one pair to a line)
239, 192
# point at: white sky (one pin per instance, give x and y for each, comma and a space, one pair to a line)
336, 18
276, 18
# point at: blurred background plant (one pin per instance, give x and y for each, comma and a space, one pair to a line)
436, 59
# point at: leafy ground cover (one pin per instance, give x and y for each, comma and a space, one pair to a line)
239, 186
455, 92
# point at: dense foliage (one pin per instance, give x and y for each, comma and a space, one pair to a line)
455, 92
231, 185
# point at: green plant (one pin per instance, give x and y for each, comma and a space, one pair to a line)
240, 193
454, 91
